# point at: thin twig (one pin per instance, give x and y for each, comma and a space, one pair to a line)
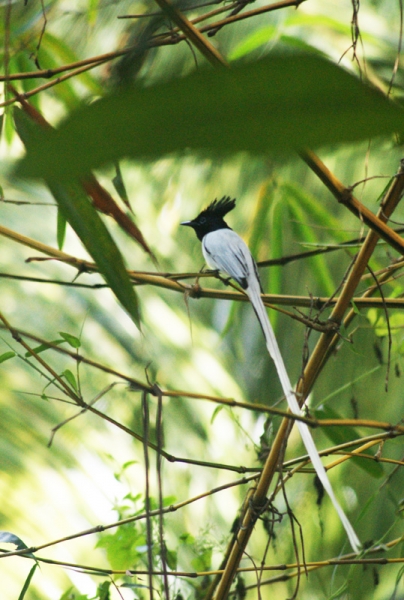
149, 537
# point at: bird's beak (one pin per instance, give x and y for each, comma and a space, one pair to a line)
188, 223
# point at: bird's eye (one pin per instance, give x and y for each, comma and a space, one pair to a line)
202, 220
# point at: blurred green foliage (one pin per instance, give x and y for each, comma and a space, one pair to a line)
93, 472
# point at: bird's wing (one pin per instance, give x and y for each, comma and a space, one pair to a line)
225, 250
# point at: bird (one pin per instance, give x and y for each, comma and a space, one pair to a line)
225, 251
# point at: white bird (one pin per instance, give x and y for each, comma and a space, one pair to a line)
225, 251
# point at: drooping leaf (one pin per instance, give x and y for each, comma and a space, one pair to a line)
280, 103
119, 185
101, 198
84, 219
70, 378
27, 582
88, 225
60, 229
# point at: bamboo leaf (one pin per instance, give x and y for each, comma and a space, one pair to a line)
280, 103
60, 229
6, 356
305, 232
27, 582
72, 340
88, 225
70, 378
43, 347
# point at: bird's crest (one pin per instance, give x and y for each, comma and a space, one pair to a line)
219, 208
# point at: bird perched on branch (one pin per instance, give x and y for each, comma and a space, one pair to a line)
225, 251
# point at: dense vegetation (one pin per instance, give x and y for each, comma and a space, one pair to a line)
146, 446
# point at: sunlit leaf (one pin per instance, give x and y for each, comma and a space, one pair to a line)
253, 41
6, 356
122, 547
70, 339
58, 48
43, 347
103, 591
70, 378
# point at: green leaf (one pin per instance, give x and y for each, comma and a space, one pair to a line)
315, 209
44, 347
355, 308
7, 356
203, 561
70, 339
217, 410
25, 64
90, 228
187, 539
122, 547
65, 91
103, 591
70, 378
62, 53
172, 559
119, 184
275, 105
276, 219
92, 12
86, 222
61, 229
340, 435
84, 219
305, 233
255, 40
27, 582
26, 128
8, 127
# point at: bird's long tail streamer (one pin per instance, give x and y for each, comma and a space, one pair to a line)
273, 349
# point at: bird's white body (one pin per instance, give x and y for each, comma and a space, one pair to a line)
224, 250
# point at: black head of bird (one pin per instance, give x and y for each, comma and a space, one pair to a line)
211, 218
